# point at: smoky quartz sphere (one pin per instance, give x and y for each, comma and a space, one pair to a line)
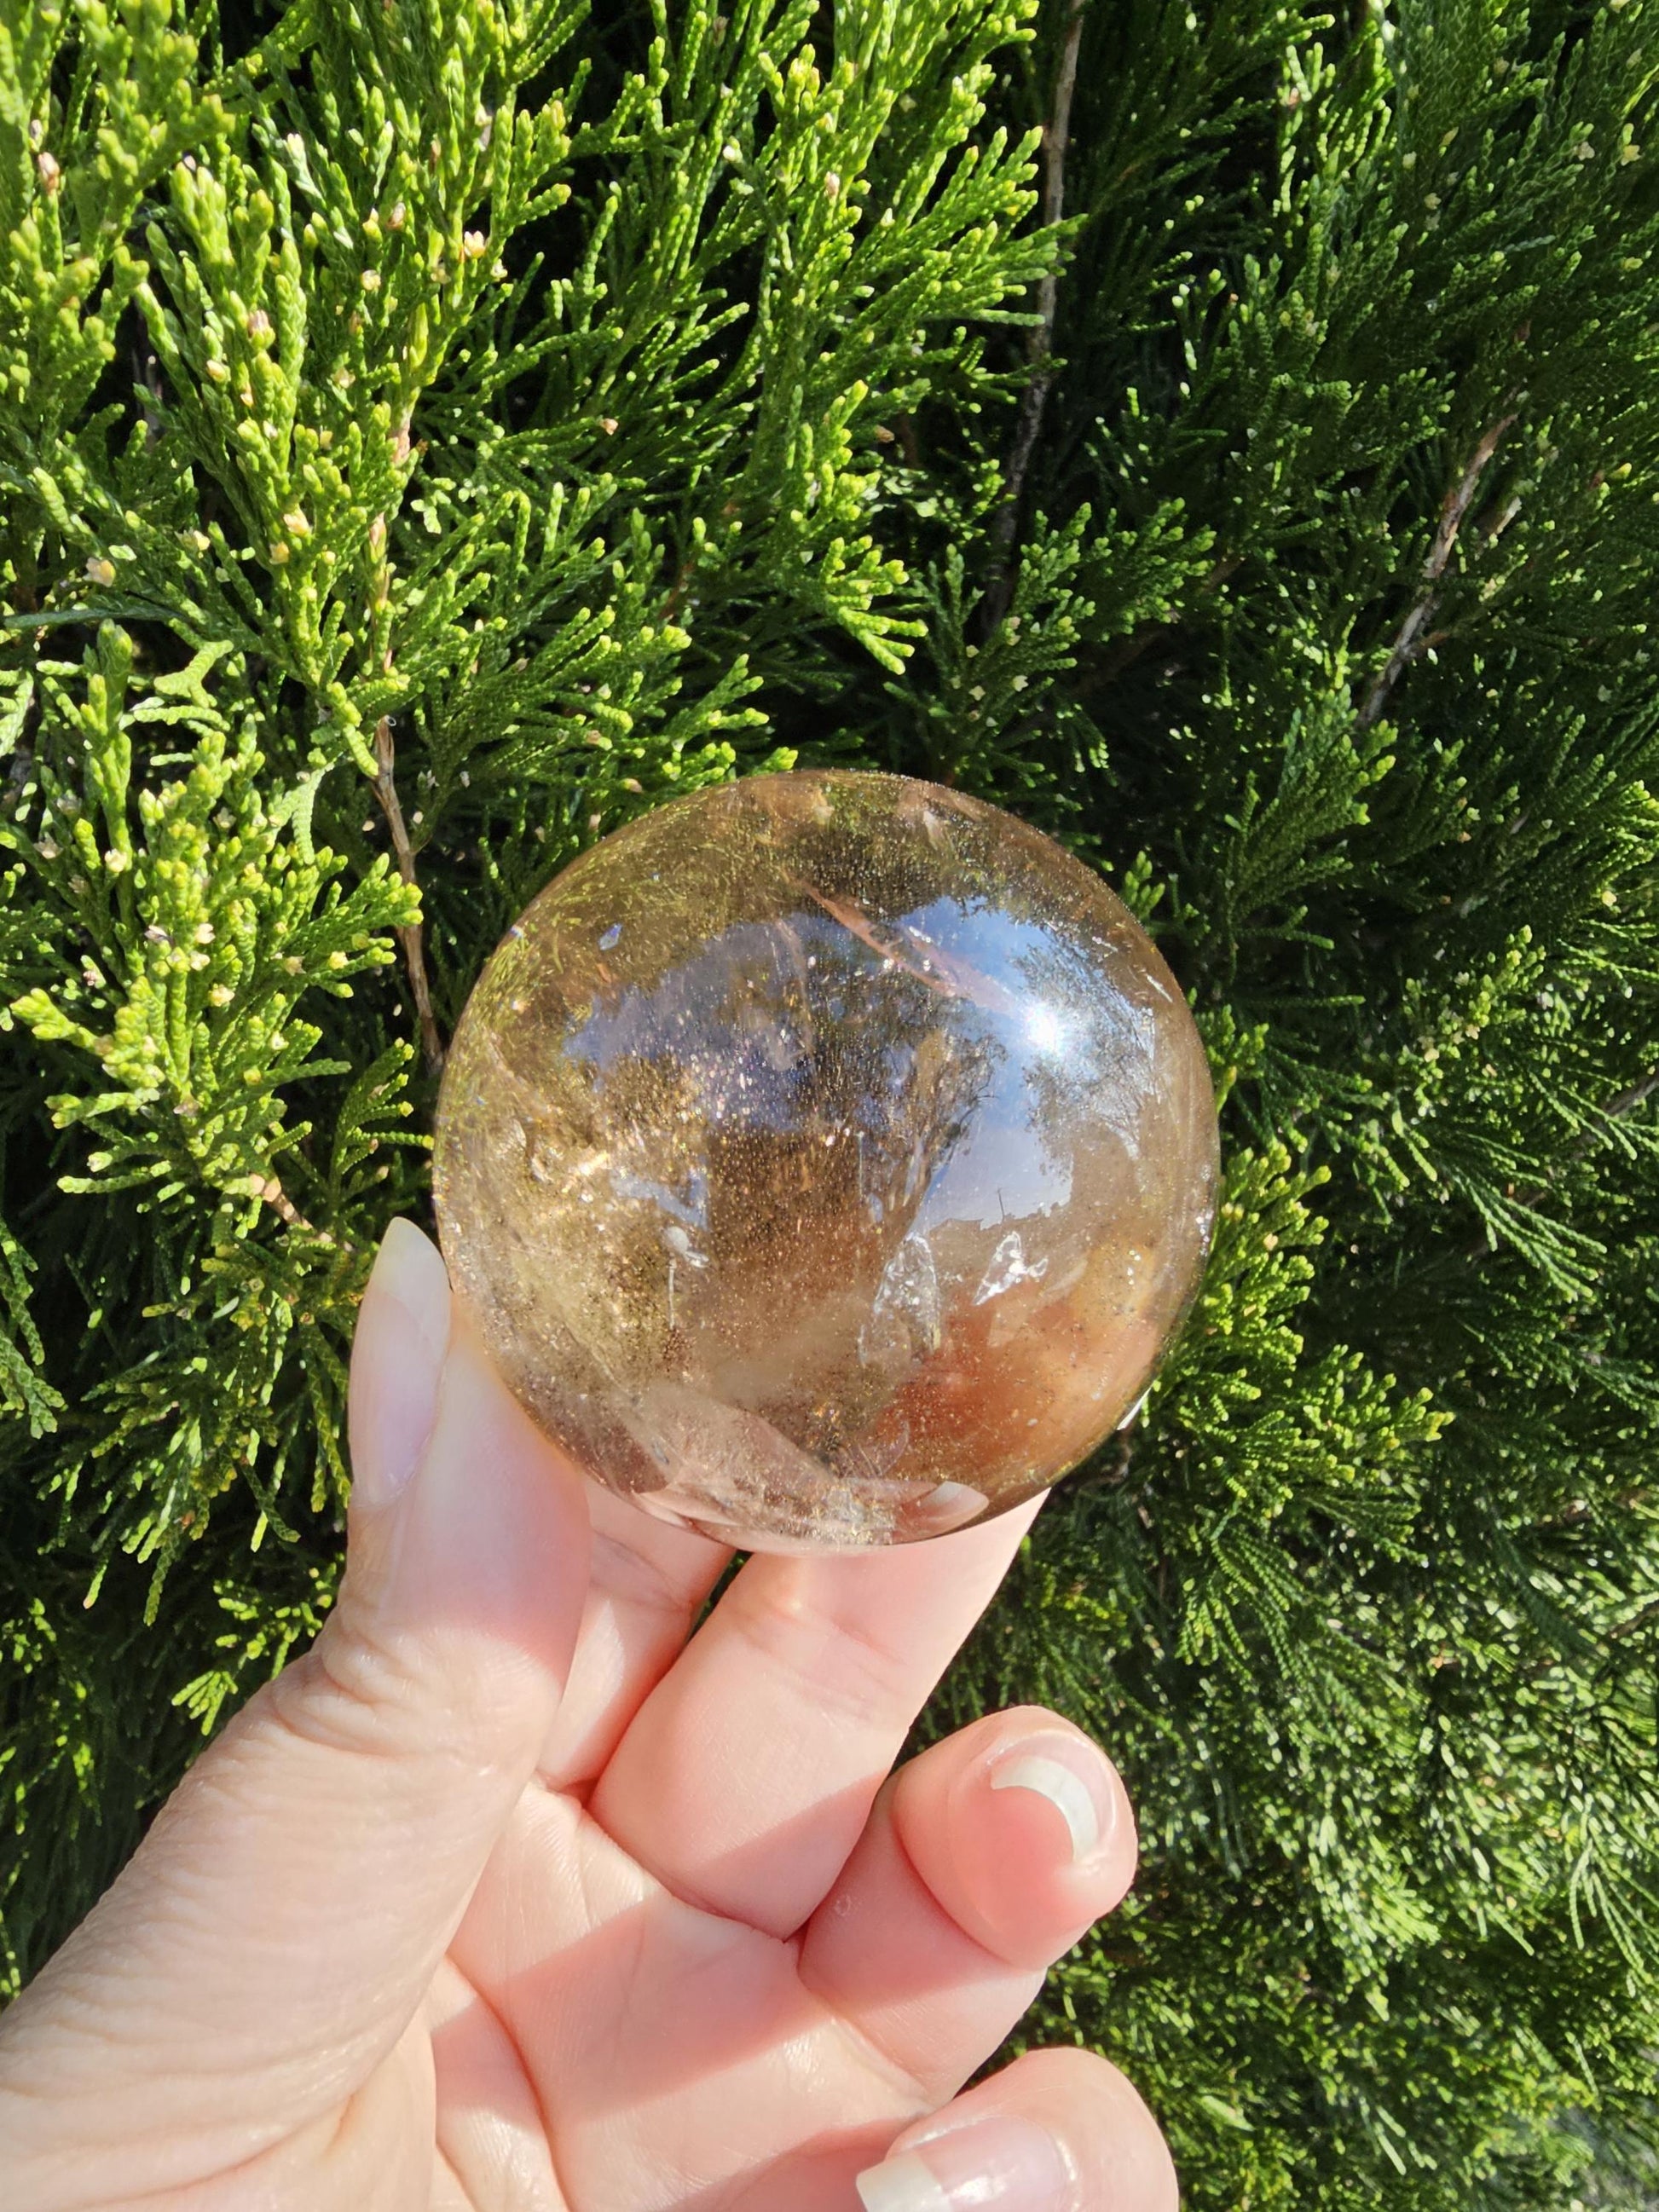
826, 1159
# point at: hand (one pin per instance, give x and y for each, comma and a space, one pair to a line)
507, 1897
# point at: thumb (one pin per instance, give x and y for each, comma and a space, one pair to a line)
285, 1915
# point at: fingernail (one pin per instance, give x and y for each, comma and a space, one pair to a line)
1064, 1789
1010, 2163
397, 1359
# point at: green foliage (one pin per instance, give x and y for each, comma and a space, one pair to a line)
431, 435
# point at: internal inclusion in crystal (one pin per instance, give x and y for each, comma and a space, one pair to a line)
826, 1159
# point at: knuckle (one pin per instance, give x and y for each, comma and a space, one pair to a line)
352, 1692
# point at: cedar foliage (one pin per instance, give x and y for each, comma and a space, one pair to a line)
430, 434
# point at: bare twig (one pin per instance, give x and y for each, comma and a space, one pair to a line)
1056, 136
1409, 642
1628, 1101
271, 1190
412, 936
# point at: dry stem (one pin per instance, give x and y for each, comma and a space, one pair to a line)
1409, 642
1056, 136
268, 1188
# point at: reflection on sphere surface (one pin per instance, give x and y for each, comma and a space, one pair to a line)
826, 1158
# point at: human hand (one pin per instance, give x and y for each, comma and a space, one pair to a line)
506, 1898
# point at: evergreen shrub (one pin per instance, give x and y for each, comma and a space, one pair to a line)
1225, 431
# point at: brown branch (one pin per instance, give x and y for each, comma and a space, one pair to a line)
1453, 511
411, 937
1628, 1101
1632, 1626
1638, 1620
271, 1190
1637, 1094
1056, 136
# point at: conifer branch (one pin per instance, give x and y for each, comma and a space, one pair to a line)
411, 937
1128, 650
229, 300
1635, 1094
1056, 136
1409, 642
1627, 1101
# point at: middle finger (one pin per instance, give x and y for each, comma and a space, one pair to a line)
646, 1584
746, 1776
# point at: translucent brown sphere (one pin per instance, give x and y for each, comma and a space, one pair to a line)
826, 1159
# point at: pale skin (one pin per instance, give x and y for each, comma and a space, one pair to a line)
513, 1895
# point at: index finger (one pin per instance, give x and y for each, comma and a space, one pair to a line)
746, 1776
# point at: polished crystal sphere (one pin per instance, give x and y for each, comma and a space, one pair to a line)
826, 1159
